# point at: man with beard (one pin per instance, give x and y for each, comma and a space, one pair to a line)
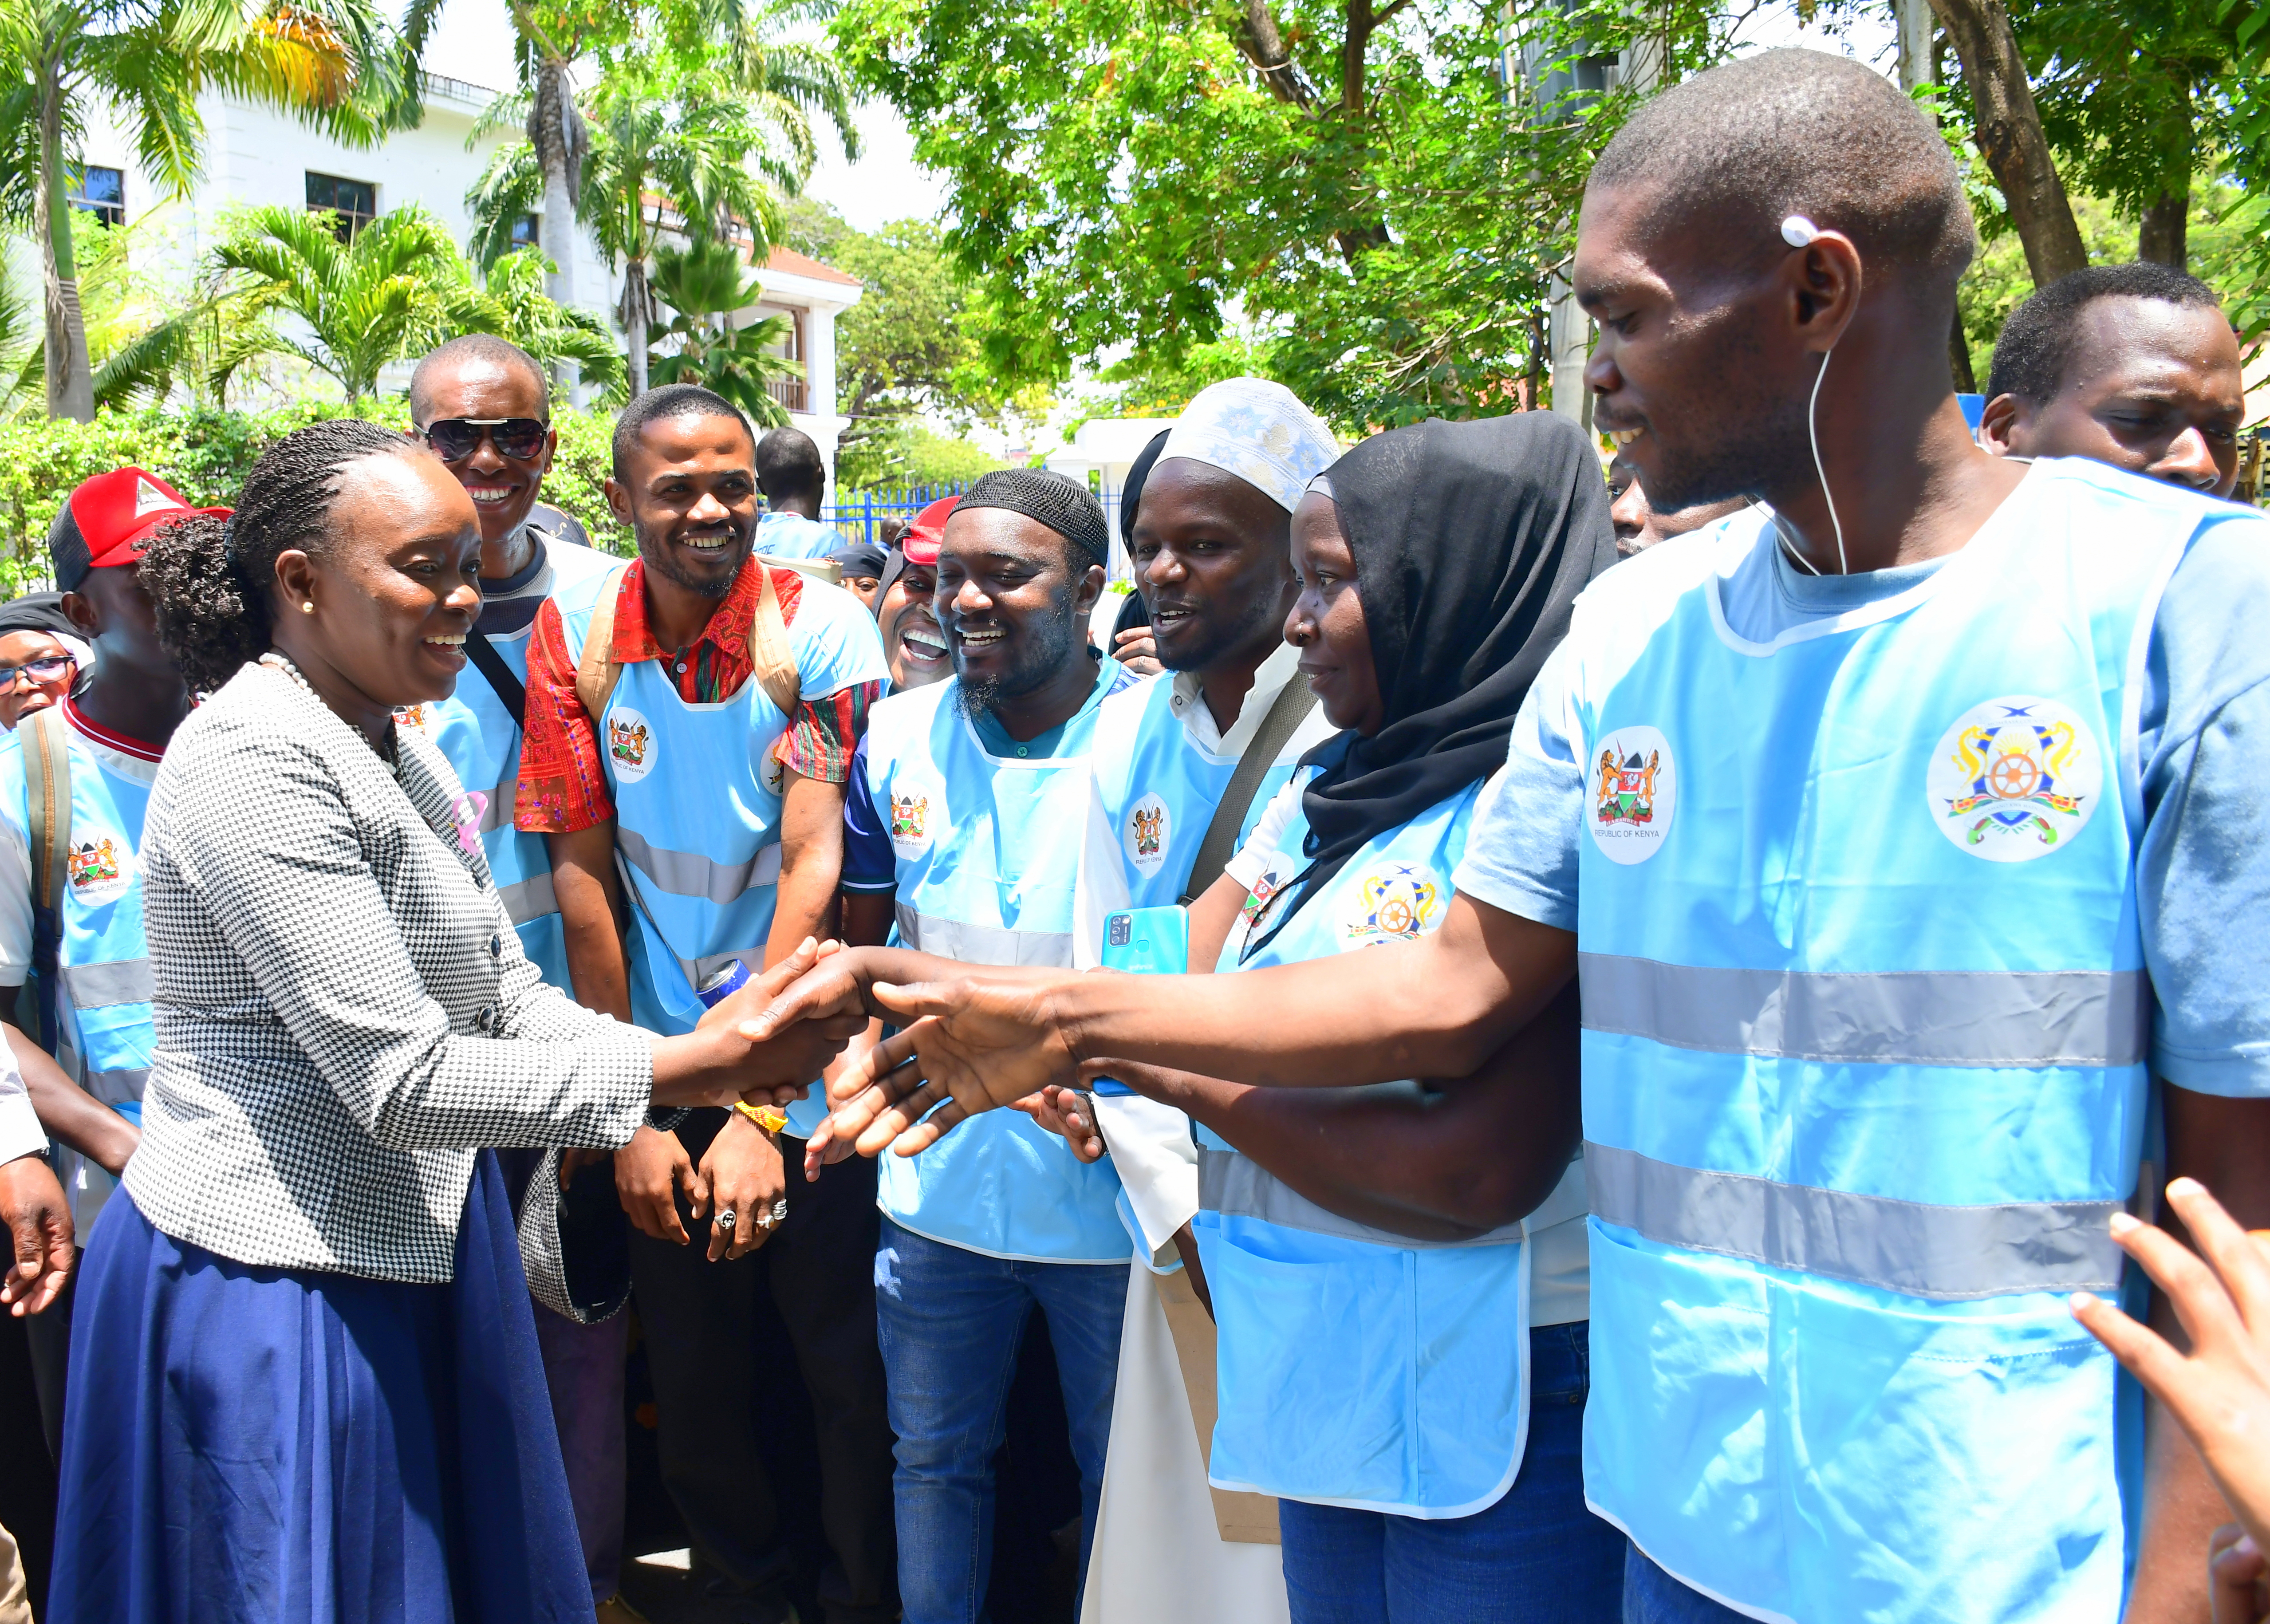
962, 836
1896, 832
696, 718
903, 610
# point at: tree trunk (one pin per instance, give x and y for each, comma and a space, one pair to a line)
2164, 238
1913, 30
1264, 49
1958, 357
551, 129
2010, 137
69, 376
637, 309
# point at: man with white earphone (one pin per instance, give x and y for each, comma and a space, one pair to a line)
1895, 830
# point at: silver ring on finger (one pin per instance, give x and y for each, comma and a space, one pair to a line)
780, 1210
726, 1219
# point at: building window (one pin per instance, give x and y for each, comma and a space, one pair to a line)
101, 192
354, 201
790, 392
526, 233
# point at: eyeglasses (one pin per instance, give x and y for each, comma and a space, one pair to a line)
455, 439
47, 668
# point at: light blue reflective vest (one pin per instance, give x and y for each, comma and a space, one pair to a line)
987, 848
793, 535
1158, 790
1355, 1366
106, 1026
697, 795
477, 734
1866, 1022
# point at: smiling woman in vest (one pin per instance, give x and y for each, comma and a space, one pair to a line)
307, 1384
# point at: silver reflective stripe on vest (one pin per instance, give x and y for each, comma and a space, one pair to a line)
981, 944
100, 986
498, 814
1239, 1187
1952, 1252
120, 1087
530, 899
688, 873
2078, 1018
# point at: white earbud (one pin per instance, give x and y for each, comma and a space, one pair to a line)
1799, 232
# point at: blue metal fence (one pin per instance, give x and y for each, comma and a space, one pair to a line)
861, 519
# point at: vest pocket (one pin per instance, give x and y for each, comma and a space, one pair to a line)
1974, 1442
1314, 1367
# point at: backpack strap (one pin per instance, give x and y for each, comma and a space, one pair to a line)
48, 800
493, 666
819, 569
1293, 701
596, 672
769, 649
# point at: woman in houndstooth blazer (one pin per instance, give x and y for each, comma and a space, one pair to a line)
306, 1383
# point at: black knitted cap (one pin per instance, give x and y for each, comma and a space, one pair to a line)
1064, 505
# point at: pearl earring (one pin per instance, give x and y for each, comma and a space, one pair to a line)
308, 607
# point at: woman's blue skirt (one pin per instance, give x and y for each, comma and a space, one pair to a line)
291, 1447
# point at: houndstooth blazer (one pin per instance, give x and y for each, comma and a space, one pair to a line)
344, 1011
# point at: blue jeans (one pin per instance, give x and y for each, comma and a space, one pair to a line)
950, 1320
1536, 1557
1653, 1597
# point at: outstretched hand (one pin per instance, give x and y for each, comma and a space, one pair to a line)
2220, 1392
739, 1051
976, 1043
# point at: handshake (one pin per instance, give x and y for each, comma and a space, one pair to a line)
974, 1038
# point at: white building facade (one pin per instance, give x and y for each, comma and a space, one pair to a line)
254, 155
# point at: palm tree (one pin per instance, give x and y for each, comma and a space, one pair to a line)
513, 304
705, 285
330, 61
666, 129
400, 285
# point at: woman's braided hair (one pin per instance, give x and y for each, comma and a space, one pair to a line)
211, 580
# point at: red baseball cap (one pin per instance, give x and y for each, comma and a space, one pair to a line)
920, 539
108, 521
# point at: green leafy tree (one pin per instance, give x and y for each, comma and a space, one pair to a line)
332, 61
1373, 182
912, 347
2130, 98
513, 304
678, 148
734, 48
706, 284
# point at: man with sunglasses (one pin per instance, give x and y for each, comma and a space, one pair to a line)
483, 406
83, 1031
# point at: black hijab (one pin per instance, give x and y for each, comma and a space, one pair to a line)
1131, 493
1472, 541
37, 611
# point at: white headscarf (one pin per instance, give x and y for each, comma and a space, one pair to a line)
1259, 431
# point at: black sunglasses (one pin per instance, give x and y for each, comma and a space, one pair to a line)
455, 439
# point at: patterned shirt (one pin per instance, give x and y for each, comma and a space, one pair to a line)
563, 784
